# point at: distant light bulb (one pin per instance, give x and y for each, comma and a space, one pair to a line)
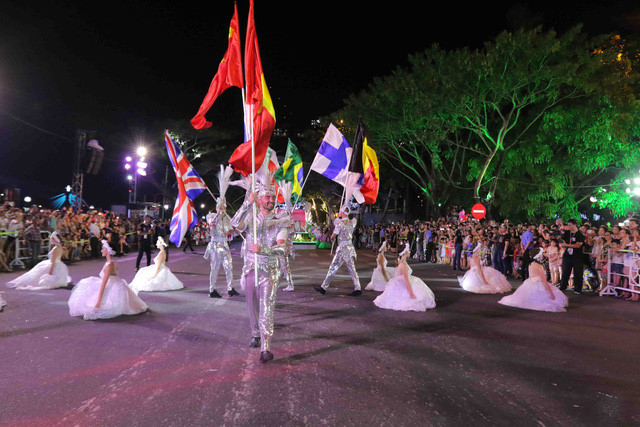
593, 199
128, 159
142, 151
127, 166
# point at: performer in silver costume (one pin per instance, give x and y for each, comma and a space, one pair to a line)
267, 249
287, 234
218, 252
345, 254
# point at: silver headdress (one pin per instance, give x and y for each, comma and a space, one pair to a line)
264, 183
224, 179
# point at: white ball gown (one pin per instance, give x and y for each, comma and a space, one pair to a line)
2, 302
118, 298
378, 281
39, 278
472, 281
164, 281
533, 295
396, 296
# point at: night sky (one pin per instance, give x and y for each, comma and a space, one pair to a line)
122, 68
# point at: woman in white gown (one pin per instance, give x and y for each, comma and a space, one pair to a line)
156, 277
405, 292
381, 274
483, 279
535, 293
48, 274
106, 296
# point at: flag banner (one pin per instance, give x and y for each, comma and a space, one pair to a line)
229, 74
190, 186
333, 156
259, 106
291, 169
368, 164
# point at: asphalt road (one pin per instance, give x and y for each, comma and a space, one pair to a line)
339, 360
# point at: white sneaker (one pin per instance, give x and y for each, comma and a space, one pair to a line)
288, 288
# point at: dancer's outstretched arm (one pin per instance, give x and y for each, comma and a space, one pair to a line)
405, 275
105, 279
543, 278
381, 264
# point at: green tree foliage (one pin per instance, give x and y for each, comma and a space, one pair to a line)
534, 123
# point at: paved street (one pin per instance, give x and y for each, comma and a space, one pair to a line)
339, 360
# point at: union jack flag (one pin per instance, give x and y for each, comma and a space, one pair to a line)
190, 186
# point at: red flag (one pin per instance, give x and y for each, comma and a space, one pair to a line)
258, 103
229, 74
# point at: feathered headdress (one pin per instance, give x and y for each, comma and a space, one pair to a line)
161, 241
404, 252
224, 178
106, 246
264, 183
286, 190
383, 247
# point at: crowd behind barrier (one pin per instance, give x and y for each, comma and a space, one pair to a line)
611, 259
21, 246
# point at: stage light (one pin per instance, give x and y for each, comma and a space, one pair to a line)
129, 177
141, 151
128, 159
127, 166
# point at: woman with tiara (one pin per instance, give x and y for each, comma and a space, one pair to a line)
105, 296
535, 293
483, 280
48, 274
156, 277
381, 274
405, 292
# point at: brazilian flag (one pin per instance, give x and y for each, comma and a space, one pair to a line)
291, 169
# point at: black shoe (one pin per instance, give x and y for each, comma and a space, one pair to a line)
320, 289
355, 294
215, 294
255, 342
232, 292
265, 356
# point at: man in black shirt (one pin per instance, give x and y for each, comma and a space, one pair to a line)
572, 259
145, 233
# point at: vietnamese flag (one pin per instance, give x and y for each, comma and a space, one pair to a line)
229, 74
259, 107
370, 167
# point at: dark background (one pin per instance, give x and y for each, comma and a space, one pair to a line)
123, 68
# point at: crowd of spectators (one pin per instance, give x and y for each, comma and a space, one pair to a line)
81, 232
510, 248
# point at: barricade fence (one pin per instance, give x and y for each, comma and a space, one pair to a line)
626, 273
22, 250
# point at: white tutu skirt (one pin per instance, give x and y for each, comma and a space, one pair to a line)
118, 299
378, 282
39, 278
497, 283
164, 281
396, 296
532, 295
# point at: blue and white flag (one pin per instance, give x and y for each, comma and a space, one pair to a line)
332, 159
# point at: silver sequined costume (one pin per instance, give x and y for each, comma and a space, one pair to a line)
345, 254
287, 234
218, 252
261, 299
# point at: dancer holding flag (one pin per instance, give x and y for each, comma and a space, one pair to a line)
218, 252
357, 170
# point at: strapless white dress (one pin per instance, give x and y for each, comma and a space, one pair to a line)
118, 298
378, 281
533, 295
39, 278
396, 296
164, 281
497, 283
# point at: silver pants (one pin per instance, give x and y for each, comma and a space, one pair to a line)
261, 302
285, 265
219, 255
345, 254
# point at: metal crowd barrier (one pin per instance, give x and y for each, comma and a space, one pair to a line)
632, 275
22, 250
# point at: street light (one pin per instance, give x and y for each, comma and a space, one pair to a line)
139, 168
